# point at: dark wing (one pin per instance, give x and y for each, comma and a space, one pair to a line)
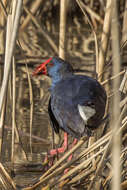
53, 120
74, 91
99, 102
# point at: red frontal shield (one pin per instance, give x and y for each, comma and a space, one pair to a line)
42, 67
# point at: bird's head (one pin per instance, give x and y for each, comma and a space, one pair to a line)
54, 67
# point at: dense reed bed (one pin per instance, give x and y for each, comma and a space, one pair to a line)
102, 164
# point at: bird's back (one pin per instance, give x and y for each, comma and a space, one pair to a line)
77, 90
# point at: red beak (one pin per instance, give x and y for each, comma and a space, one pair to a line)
42, 68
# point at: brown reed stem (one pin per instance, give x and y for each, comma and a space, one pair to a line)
115, 123
10, 53
104, 39
48, 38
33, 9
62, 34
124, 31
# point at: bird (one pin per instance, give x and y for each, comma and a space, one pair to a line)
77, 102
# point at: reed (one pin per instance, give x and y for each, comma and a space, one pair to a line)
98, 165
62, 33
115, 123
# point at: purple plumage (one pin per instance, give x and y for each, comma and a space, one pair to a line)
77, 102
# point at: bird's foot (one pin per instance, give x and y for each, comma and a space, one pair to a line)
49, 159
58, 150
61, 149
71, 156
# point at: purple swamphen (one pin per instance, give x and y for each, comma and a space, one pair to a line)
77, 103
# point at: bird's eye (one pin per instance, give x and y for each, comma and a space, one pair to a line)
50, 64
44, 71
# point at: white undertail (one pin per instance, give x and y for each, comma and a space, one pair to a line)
86, 112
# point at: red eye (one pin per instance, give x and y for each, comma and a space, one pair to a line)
50, 64
44, 71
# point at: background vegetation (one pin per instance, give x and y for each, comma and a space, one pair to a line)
91, 35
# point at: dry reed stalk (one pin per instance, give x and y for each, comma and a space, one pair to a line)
10, 53
64, 157
46, 175
115, 123
42, 140
4, 185
124, 185
62, 31
2, 7
1, 126
125, 119
54, 170
57, 169
62, 184
113, 77
100, 165
13, 109
123, 102
82, 165
110, 61
93, 14
91, 141
8, 178
94, 146
123, 83
6, 57
31, 106
61, 168
81, 5
82, 175
26, 1
2, 24
15, 132
14, 5
108, 146
124, 30
109, 178
86, 152
33, 9
11, 20
48, 38
104, 39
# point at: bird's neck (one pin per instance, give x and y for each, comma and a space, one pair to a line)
58, 77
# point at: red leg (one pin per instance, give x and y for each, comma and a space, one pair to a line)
61, 149
74, 142
70, 157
